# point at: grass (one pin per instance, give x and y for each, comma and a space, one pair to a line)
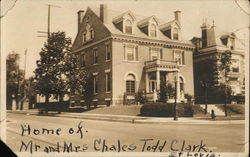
233, 109
232, 117
132, 110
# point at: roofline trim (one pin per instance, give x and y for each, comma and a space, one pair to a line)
154, 42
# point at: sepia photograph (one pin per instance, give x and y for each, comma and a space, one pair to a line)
165, 78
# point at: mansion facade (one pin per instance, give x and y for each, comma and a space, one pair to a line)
210, 46
128, 53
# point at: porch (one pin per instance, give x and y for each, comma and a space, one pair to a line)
158, 71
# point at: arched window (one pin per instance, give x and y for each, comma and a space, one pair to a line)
175, 34
128, 27
130, 84
181, 81
153, 30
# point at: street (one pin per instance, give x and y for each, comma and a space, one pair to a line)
40, 132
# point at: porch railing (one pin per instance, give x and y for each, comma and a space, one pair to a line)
161, 63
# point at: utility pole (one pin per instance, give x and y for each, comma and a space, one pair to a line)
175, 98
25, 55
24, 82
48, 27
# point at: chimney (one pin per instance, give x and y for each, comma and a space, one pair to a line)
204, 33
177, 16
103, 13
80, 14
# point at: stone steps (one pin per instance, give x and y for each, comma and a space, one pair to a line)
217, 110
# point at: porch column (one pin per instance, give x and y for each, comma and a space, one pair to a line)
147, 82
158, 79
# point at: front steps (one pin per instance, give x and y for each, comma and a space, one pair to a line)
217, 110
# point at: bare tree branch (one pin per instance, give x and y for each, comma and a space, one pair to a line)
9, 9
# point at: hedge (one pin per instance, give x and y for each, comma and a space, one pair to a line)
159, 109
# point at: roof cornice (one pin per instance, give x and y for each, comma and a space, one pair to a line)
170, 44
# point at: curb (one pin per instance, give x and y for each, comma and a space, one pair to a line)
131, 119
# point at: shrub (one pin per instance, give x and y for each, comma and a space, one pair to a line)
198, 109
140, 97
188, 97
159, 109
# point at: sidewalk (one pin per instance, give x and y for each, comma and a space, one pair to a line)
131, 119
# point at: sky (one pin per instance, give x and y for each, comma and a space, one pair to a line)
20, 24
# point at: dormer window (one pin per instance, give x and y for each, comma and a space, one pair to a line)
128, 27
175, 34
88, 34
153, 30
172, 30
231, 44
125, 22
149, 26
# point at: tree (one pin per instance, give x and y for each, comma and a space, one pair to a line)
76, 76
170, 90
31, 91
14, 77
163, 91
50, 74
225, 67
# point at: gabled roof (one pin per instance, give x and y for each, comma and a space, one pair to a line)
114, 16
167, 25
218, 37
120, 17
145, 21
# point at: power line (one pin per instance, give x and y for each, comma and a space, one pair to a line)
48, 27
241, 7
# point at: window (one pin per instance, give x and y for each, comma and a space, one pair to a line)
95, 81
175, 34
91, 34
84, 37
95, 55
156, 53
108, 82
181, 87
235, 66
233, 78
130, 84
108, 52
88, 34
153, 30
82, 58
128, 27
152, 83
131, 53
179, 56
231, 44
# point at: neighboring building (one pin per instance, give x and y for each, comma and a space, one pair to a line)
210, 47
126, 53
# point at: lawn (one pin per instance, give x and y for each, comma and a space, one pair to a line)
132, 110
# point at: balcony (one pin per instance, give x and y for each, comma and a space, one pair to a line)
161, 65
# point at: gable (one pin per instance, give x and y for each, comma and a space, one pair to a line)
90, 21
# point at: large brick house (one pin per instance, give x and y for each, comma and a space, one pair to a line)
210, 46
127, 53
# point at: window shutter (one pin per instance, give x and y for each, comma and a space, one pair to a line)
125, 58
150, 58
161, 54
173, 55
136, 53
93, 53
183, 57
